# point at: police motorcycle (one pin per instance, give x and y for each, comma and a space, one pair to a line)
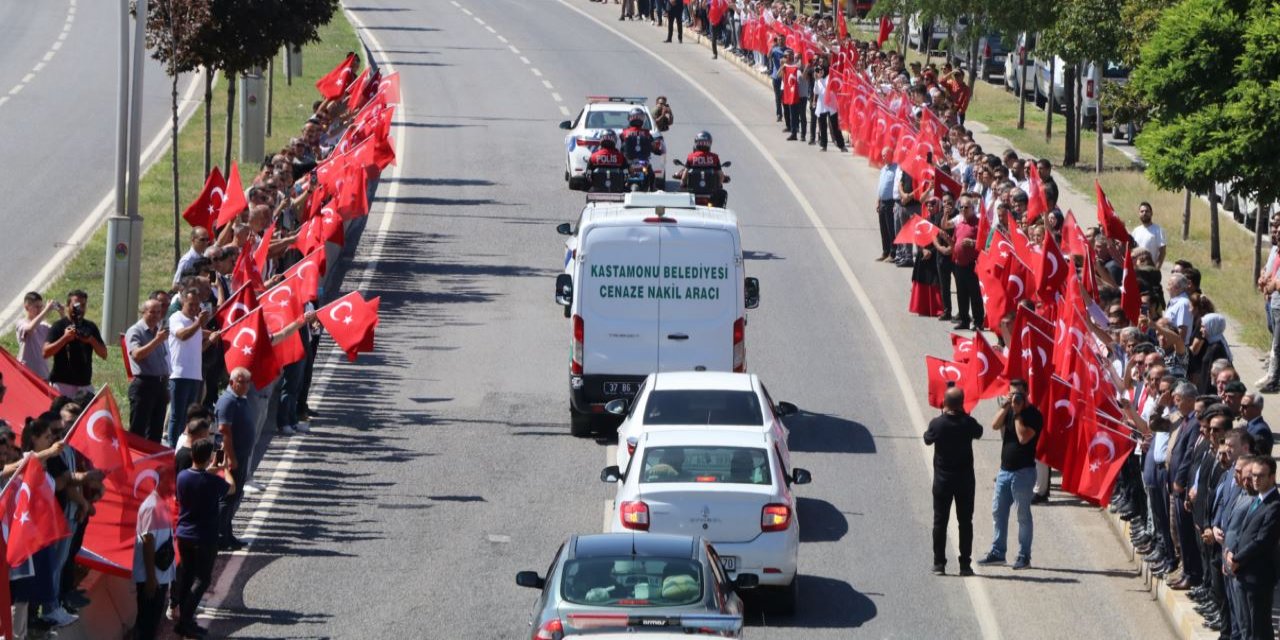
705, 182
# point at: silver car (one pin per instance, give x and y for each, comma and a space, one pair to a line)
628, 582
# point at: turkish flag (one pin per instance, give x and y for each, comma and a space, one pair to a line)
359, 90
27, 395
1112, 227
282, 305
1037, 357
373, 152
1073, 240
308, 270
1130, 294
32, 513
790, 84
335, 83
1101, 450
233, 201
947, 184
99, 433
110, 535
886, 27
1061, 417
386, 92
6, 603
943, 375
985, 369
240, 304
351, 321
995, 302
842, 29
247, 344
961, 348
1030, 345
204, 211
917, 231
263, 250
246, 271
324, 227
1037, 205
1051, 272
352, 200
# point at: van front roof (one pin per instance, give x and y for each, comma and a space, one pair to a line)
620, 214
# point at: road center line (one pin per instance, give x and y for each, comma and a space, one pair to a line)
524, 60
981, 601
536, 72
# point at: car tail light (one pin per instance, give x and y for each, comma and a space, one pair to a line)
631, 445
634, 515
775, 517
740, 345
585, 142
986, 51
550, 630
575, 365
1088, 89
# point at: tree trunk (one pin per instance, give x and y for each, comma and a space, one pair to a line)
271, 89
1070, 152
903, 35
208, 121
1021, 76
231, 110
1097, 117
1215, 242
177, 214
1049, 103
1263, 212
1186, 214
973, 58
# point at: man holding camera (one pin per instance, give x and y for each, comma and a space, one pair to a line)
72, 343
1019, 425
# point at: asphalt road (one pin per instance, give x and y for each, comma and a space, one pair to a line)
58, 80
442, 462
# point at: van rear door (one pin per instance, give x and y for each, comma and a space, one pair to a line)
699, 298
620, 267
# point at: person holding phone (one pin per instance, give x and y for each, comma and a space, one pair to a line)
1019, 424
72, 343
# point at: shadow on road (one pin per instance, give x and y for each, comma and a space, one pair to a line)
820, 521
825, 433
825, 603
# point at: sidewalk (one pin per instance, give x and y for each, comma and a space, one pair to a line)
1176, 606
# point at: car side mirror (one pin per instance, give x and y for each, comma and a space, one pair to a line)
564, 229
726, 164
530, 579
566, 125
746, 581
801, 476
616, 407
678, 163
751, 293
611, 473
564, 290
787, 409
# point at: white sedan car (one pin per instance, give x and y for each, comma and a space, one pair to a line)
729, 486
699, 399
599, 114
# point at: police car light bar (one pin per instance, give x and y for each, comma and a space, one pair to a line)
626, 99
699, 623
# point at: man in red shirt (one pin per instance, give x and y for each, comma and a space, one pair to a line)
604, 167
964, 255
703, 161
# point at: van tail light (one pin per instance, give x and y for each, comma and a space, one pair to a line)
740, 345
634, 515
986, 51
775, 517
575, 364
552, 629
1088, 89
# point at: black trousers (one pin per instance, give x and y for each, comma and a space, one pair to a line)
799, 119
674, 21
968, 295
884, 213
1158, 496
230, 503
1258, 604
945, 491
148, 402
197, 573
777, 101
150, 612
944, 282
831, 120
714, 31
1185, 530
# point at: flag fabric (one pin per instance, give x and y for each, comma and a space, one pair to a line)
918, 231
110, 534
99, 433
1051, 272
986, 370
944, 374
359, 90
1101, 452
886, 27
1037, 205
961, 348
790, 84
281, 306
237, 306
1057, 437
1130, 293
248, 345
1073, 240
246, 272
1112, 226
309, 269
31, 511
204, 211
351, 321
715, 11
233, 202
26, 395
262, 252
352, 199
842, 28
946, 184
335, 83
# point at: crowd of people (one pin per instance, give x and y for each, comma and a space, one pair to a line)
1175, 441
199, 394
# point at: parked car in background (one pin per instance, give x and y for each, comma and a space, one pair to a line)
992, 54
921, 35
862, 7
1112, 72
1050, 78
1018, 64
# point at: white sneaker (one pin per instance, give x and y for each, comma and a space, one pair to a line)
60, 618
252, 487
302, 427
287, 430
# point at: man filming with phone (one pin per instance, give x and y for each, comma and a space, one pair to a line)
72, 343
1019, 424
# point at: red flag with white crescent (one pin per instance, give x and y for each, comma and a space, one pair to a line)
917, 231
99, 433
204, 211
31, 515
248, 344
237, 306
350, 321
309, 270
110, 535
281, 306
233, 201
335, 83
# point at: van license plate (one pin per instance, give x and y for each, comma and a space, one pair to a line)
620, 388
729, 563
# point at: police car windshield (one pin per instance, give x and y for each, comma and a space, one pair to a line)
632, 582
706, 407
611, 120
732, 465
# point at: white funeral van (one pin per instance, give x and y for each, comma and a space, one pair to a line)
653, 282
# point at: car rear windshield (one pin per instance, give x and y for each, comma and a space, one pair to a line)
703, 407
632, 582
734, 465
611, 120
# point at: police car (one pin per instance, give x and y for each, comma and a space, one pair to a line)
600, 113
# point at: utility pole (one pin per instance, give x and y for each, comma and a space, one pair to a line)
123, 268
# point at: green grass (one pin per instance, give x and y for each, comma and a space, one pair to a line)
291, 107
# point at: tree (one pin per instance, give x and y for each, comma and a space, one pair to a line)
173, 27
1084, 31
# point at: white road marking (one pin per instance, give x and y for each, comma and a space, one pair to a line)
479, 21
564, 111
48, 55
498, 538
547, 84
28, 78
524, 60
4, 99
466, 11
502, 40
981, 601
55, 46
555, 96
455, 3
63, 35
221, 588
490, 29
536, 72
36, 69
16, 89
513, 49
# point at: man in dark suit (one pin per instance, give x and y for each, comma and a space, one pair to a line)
1232, 525
1186, 436
1209, 474
952, 435
1231, 495
1253, 559
675, 19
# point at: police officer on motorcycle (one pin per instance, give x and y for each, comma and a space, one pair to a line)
638, 144
605, 166
702, 174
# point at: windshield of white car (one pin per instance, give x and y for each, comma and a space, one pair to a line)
611, 120
706, 407
632, 582
732, 465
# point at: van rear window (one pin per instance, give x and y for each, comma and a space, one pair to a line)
703, 407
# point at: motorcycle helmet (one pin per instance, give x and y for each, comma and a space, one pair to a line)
609, 139
702, 141
636, 117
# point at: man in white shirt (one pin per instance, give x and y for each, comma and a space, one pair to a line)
187, 340
1149, 235
200, 240
1178, 312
